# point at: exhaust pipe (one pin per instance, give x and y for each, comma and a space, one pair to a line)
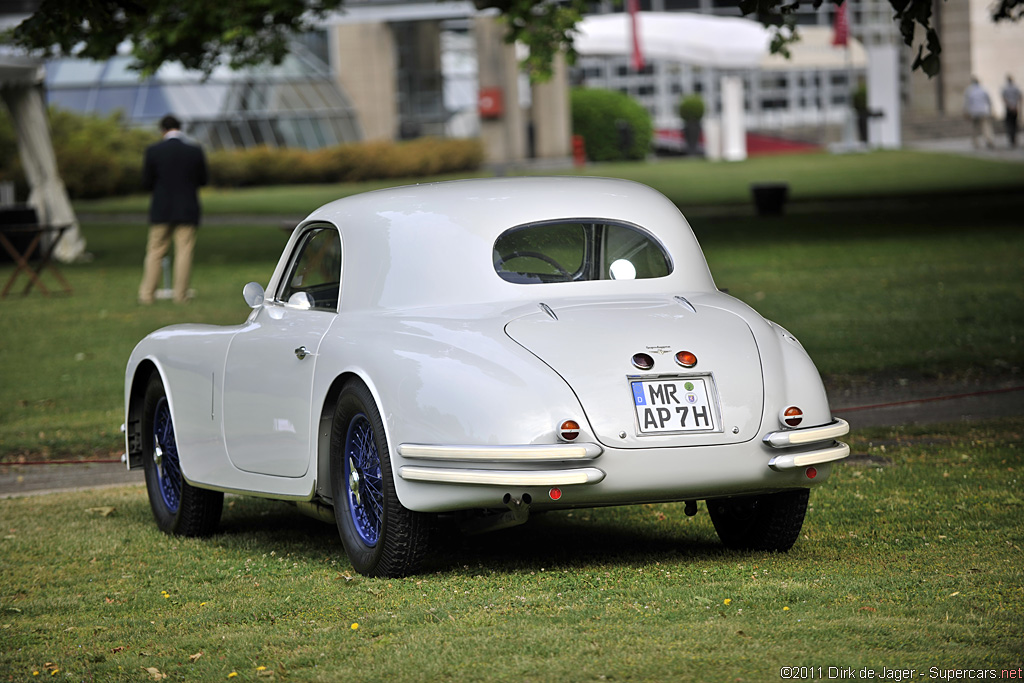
518, 512
316, 510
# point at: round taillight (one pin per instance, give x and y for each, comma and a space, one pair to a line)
569, 430
811, 472
792, 416
554, 493
642, 361
686, 359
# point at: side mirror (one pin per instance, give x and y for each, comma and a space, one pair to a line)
253, 294
300, 300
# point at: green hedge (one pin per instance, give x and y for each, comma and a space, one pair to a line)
344, 163
598, 114
101, 157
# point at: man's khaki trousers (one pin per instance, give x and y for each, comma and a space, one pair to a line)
156, 248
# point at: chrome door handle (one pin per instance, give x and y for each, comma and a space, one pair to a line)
301, 352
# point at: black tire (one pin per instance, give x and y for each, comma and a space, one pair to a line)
769, 522
179, 508
381, 537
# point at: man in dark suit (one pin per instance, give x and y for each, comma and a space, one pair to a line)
174, 169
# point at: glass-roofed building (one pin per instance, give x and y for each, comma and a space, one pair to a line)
295, 104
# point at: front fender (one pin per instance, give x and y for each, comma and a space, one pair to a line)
189, 360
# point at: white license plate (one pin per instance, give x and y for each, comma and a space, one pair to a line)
674, 405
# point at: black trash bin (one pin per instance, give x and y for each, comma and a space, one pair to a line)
769, 198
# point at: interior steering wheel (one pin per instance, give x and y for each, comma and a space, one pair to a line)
502, 258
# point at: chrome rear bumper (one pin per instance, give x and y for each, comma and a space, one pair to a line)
446, 475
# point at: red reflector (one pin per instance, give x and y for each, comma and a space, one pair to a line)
792, 416
811, 473
643, 361
555, 493
569, 430
686, 359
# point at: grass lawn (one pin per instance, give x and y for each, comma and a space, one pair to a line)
818, 176
910, 558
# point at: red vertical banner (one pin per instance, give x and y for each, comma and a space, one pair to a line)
634, 21
841, 27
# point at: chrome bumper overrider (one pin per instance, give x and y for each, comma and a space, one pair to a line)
823, 436
445, 475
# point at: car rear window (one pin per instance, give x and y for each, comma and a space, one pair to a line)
578, 250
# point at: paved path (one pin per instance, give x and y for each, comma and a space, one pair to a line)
864, 407
966, 404
1000, 152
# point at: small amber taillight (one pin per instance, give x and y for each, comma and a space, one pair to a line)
569, 430
792, 416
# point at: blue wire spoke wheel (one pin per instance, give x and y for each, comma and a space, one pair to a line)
178, 507
362, 477
381, 537
165, 457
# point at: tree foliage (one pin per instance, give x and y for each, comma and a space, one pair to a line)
197, 33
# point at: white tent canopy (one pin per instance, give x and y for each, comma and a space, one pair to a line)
21, 89
700, 40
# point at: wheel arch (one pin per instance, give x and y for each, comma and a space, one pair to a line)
325, 425
133, 417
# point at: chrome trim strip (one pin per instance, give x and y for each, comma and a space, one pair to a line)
794, 461
444, 475
798, 437
552, 452
686, 304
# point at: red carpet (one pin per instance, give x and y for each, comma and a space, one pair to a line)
757, 144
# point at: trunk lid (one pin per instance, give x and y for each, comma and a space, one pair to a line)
591, 345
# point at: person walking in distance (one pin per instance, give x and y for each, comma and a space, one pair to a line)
978, 108
1011, 101
173, 170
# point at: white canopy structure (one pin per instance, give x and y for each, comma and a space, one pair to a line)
724, 43
21, 88
697, 39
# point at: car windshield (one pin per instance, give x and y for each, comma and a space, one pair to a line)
575, 251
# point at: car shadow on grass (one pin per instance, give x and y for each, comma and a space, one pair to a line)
606, 537
563, 540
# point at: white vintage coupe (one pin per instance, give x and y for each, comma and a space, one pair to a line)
484, 348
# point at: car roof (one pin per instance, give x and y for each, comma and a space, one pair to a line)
432, 244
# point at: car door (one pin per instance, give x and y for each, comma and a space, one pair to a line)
268, 375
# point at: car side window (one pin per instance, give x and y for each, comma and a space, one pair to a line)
314, 275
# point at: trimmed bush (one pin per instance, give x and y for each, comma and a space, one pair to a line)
345, 163
601, 116
691, 107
